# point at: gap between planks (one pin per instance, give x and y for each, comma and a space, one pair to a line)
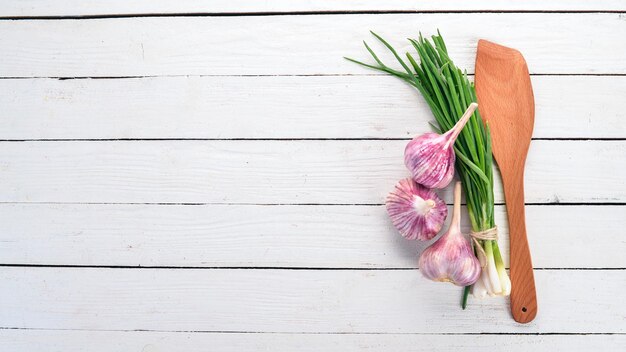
67, 78
165, 267
80, 9
326, 333
294, 204
286, 139
102, 341
290, 13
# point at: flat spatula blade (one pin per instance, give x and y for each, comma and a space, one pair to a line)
506, 103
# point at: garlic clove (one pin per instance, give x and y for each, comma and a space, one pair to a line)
416, 211
430, 157
451, 258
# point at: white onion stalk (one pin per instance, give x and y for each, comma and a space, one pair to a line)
478, 289
494, 280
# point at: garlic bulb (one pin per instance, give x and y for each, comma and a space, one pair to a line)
451, 258
416, 211
430, 157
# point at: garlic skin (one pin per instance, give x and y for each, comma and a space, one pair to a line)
416, 211
430, 157
451, 258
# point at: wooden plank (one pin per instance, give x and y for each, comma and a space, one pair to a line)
271, 172
587, 43
244, 107
277, 236
388, 301
148, 341
115, 7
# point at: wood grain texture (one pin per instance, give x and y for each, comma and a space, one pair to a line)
277, 236
147, 341
388, 301
287, 45
244, 107
113, 7
507, 105
271, 172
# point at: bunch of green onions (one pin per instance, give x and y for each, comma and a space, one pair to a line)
448, 92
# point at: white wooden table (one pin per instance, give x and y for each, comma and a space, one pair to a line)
209, 176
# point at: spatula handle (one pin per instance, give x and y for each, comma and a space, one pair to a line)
523, 295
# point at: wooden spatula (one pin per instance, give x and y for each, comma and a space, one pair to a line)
506, 103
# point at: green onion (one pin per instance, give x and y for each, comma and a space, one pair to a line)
448, 93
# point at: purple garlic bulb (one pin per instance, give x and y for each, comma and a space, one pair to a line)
451, 258
430, 157
416, 211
